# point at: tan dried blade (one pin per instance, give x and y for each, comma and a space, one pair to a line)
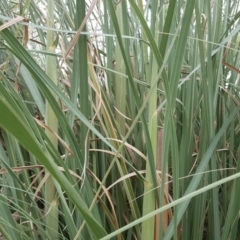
11, 22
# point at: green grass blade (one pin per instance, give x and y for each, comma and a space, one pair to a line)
11, 122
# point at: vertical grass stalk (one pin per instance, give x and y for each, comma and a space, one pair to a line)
51, 204
149, 196
120, 80
81, 67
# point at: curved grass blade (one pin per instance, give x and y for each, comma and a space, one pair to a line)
13, 124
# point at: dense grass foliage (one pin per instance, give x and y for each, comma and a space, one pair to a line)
119, 119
